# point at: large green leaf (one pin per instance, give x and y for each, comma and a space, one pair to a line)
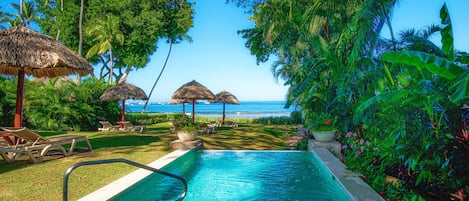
383, 97
447, 39
437, 65
460, 88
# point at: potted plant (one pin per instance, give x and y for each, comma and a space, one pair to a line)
185, 129
323, 127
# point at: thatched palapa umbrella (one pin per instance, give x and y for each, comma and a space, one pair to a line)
225, 97
25, 51
193, 91
123, 91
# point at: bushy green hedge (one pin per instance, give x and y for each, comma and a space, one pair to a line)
147, 119
58, 104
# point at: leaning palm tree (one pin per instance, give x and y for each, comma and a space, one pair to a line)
174, 37
104, 33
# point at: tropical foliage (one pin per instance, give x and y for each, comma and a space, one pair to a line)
321, 122
401, 98
142, 22
58, 104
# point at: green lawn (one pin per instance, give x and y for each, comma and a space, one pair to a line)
26, 181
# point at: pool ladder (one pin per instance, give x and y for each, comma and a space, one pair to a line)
120, 160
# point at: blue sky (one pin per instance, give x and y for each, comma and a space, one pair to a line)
218, 59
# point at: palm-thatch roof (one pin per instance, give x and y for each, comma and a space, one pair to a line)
225, 97
179, 101
38, 54
193, 91
124, 91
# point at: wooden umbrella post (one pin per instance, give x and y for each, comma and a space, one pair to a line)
193, 113
123, 110
19, 99
223, 118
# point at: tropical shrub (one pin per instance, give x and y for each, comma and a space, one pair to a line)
147, 119
58, 104
404, 97
273, 120
296, 117
7, 101
62, 104
322, 122
417, 118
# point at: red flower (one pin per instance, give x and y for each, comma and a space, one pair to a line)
327, 122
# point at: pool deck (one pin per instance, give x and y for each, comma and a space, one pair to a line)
114, 188
356, 187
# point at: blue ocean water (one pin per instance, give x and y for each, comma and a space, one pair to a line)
246, 109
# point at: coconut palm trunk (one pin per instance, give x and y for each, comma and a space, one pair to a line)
158, 78
80, 33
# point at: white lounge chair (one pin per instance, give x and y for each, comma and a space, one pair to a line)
107, 126
33, 139
127, 126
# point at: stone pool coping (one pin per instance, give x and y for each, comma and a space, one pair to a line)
352, 183
114, 188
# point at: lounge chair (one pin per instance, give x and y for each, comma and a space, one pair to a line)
35, 153
231, 124
34, 139
212, 127
12, 146
107, 126
203, 129
127, 126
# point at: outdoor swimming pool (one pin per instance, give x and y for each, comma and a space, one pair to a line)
242, 175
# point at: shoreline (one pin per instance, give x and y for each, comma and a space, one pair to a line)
244, 110
237, 115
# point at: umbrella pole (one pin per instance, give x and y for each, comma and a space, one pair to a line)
19, 99
223, 119
123, 111
193, 113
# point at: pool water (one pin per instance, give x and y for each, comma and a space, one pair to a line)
242, 175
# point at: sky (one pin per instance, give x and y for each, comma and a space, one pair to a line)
218, 59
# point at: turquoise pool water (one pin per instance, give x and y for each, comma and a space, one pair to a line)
242, 175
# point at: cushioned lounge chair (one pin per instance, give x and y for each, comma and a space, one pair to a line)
34, 139
107, 126
127, 126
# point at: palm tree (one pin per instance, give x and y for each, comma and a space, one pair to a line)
309, 34
80, 33
104, 32
4, 18
171, 27
26, 11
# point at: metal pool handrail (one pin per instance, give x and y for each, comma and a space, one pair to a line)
120, 160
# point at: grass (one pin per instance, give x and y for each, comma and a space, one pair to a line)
26, 181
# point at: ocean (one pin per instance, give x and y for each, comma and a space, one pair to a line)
246, 109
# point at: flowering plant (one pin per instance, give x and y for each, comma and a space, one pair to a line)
184, 123
323, 122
